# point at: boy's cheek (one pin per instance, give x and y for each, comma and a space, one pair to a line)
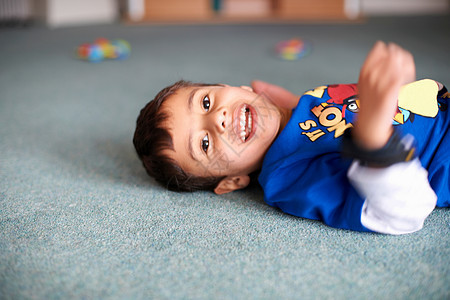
220, 164
217, 164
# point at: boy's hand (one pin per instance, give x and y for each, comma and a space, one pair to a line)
278, 95
386, 69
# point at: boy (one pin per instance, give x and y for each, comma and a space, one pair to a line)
196, 136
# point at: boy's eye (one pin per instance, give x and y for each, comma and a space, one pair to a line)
205, 143
206, 103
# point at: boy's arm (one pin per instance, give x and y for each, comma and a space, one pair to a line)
278, 95
386, 69
398, 198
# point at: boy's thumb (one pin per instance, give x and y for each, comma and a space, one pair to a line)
278, 95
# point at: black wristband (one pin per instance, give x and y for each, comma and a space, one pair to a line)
396, 150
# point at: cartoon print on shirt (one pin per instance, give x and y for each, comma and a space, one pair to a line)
414, 99
330, 114
417, 98
329, 117
346, 95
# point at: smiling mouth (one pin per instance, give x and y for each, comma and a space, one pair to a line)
245, 123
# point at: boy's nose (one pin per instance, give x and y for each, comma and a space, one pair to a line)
221, 121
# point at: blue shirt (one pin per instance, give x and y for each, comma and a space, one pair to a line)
304, 174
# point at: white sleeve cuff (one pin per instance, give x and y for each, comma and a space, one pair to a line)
398, 198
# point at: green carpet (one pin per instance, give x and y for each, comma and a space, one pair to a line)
79, 218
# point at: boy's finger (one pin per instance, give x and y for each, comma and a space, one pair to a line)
409, 67
405, 63
275, 93
377, 52
259, 86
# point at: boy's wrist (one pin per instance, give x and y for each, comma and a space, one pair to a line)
397, 149
371, 137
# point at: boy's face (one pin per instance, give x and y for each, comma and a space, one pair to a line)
221, 130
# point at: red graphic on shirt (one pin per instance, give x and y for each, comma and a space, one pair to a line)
345, 95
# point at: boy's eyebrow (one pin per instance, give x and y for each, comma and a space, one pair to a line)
190, 101
190, 149
191, 98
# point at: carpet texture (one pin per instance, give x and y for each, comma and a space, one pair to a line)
80, 219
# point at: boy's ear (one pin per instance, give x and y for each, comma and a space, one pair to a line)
246, 87
232, 183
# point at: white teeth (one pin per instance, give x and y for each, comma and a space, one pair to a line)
242, 122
